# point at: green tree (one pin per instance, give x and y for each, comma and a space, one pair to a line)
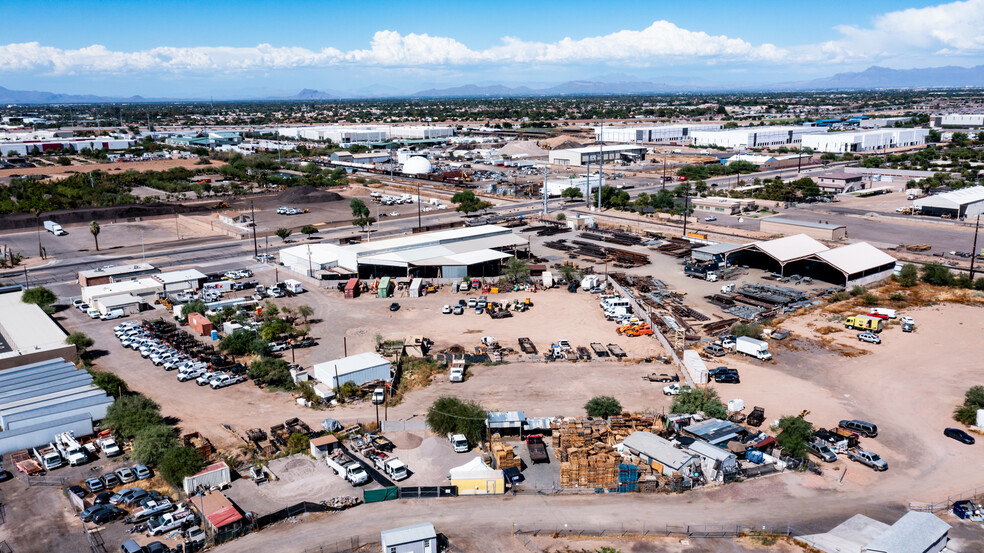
934, 137
561, 217
516, 271
193, 306
40, 296
109, 383
752, 330
937, 274
572, 193
284, 233
305, 311
908, 275
794, 432
129, 414
973, 400
603, 406
272, 372
308, 230
298, 443
242, 342
94, 229
468, 202
959, 139
152, 442
450, 414
275, 329
81, 341
696, 400
178, 462
62, 160
359, 208
700, 187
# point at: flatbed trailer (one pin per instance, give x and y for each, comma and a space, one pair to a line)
599, 349
25, 463
583, 353
616, 350
527, 346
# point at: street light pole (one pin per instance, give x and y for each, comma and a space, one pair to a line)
252, 216
973, 253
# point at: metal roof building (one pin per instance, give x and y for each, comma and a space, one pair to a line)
915, 532
419, 538
579, 157
660, 453
820, 231
177, 281
452, 253
965, 202
359, 368
715, 431
145, 288
27, 333
115, 273
859, 263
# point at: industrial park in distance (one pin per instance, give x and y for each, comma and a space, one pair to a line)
610, 316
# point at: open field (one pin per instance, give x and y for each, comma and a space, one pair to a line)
59, 171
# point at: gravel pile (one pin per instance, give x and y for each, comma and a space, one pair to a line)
307, 195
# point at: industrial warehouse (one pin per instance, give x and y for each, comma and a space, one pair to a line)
452, 253
865, 141
662, 134
27, 333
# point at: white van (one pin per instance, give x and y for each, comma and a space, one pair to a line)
884, 311
112, 314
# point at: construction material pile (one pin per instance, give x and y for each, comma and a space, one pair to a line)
504, 456
585, 449
340, 503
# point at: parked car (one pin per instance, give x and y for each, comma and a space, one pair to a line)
959, 435
125, 494
715, 350
304, 343
822, 451
710, 218
206, 378
87, 514
446, 310
94, 485
142, 472
110, 479
864, 428
126, 475
77, 303
103, 498
675, 389
458, 310
109, 514
224, 380
721, 370
93, 313
870, 337
278, 346
727, 378
79, 491
394, 306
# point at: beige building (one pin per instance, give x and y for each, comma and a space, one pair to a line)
717, 206
818, 230
27, 334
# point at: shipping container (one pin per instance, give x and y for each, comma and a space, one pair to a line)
352, 288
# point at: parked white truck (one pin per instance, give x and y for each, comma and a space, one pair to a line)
457, 371
48, 457
347, 468
54, 228
108, 446
394, 468
170, 521
70, 449
756, 348
458, 442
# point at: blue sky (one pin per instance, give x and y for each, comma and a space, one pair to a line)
251, 48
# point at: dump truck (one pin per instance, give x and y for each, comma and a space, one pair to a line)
538, 449
755, 348
48, 457
864, 322
347, 468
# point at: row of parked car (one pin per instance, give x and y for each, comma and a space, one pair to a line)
94, 313
170, 358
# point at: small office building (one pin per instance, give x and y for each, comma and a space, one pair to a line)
115, 273
179, 281
714, 205
813, 229
419, 538
840, 182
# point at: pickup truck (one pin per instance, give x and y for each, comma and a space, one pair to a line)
206, 378
191, 373
458, 442
347, 468
109, 447
868, 458
538, 449
675, 390
662, 377
150, 509
170, 521
224, 380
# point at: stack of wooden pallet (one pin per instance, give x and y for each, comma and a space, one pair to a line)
590, 467
504, 456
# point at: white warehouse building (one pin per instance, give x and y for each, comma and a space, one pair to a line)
662, 134
356, 134
579, 157
754, 137
865, 141
556, 187
959, 120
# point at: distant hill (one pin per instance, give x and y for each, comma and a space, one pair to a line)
8, 96
308, 94
883, 77
471, 90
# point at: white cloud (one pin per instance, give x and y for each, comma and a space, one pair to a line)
954, 29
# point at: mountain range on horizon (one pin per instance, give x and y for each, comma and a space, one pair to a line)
871, 78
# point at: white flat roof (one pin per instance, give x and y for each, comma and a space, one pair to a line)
953, 200
794, 222
856, 258
113, 270
607, 148
120, 299
355, 363
184, 275
26, 327
791, 247
118, 288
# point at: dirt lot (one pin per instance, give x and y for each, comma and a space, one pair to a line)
158, 165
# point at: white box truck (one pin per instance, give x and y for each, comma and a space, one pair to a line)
54, 228
294, 286
753, 347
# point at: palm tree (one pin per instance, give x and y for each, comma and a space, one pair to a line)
94, 229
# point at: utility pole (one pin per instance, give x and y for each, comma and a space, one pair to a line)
601, 163
419, 224
973, 253
686, 209
664, 170
252, 216
544, 191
